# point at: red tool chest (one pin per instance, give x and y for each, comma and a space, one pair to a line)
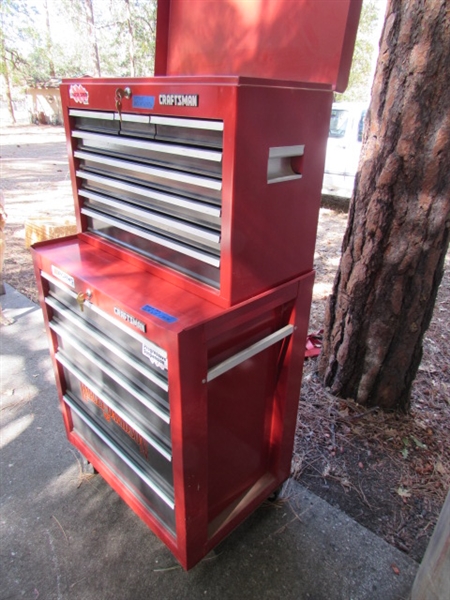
187, 409
222, 197
177, 316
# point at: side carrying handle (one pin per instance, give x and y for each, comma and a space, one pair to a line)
240, 357
285, 163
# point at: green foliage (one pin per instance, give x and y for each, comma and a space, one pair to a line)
26, 42
361, 74
125, 34
15, 20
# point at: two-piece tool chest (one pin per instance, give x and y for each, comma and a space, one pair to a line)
177, 316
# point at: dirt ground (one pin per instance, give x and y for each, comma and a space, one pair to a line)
390, 472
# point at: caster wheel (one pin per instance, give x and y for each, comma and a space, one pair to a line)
275, 494
91, 467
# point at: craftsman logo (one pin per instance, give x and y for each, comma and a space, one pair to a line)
157, 359
130, 319
63, 276
79, 93
179, 100
89, 396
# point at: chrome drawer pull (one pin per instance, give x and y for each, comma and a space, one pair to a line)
188, 251
158, 147
167, 174
178, 201
68, 315
106, 316
121, 382
132, 465
67, 364
153, 218
189, 123
252, 350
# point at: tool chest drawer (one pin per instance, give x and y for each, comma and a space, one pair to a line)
130, 474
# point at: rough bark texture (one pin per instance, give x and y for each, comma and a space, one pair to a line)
399, 221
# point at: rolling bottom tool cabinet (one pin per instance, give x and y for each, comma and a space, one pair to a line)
187, 409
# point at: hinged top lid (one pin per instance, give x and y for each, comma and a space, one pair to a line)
291, 40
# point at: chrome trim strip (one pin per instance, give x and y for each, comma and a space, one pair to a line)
131, 118
157, 239
84, 326
240, 357
119, 380
106, 316
59, 284
170, 503
123, 383
183, 151
191, 123
91, 114
152, 218
204, 209
204, 182
67, 364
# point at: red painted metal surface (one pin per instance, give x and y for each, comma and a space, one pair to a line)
268, 228
302, 40
177, 316
248, 411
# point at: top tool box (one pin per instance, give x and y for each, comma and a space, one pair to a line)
208, 175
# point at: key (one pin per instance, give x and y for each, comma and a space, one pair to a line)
81, 297
121, 93
119, 103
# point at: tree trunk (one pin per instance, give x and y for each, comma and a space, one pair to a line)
130, 38
89, 13
49, 44
399, 220
8, 89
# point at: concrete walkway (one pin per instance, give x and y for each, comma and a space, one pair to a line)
66, 535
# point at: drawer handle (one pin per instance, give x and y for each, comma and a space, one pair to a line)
252, 350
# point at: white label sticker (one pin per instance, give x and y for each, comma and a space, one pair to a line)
157, 359
63, 276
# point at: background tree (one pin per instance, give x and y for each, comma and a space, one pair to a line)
15, 24
88, 10
361, 74
399, 220
48, 41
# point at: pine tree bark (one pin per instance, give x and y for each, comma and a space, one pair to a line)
398, 230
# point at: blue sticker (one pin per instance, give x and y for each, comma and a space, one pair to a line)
144, 102
151, 310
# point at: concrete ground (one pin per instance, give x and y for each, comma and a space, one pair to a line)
66, 535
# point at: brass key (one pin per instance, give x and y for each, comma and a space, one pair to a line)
121, 93
81, 297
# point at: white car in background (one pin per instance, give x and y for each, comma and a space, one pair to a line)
343, 148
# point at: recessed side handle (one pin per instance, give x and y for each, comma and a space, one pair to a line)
255, 348
285, 163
